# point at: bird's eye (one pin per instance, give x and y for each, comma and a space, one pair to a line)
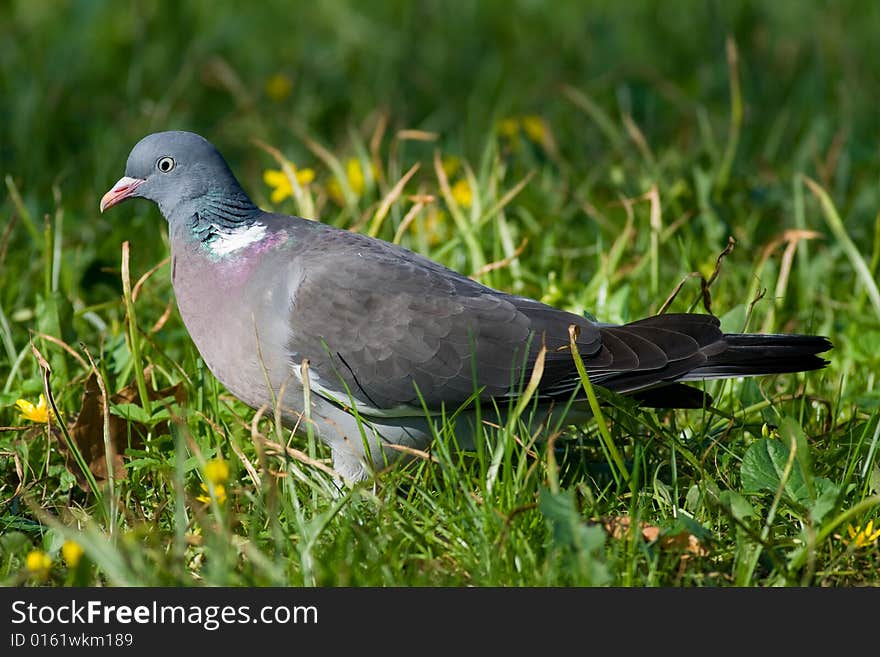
165, 164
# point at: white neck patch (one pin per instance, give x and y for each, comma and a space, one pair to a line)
229, 242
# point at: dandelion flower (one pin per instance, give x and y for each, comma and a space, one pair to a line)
461, 192
217, 471
35, 413
508, 127
535, 128
355, 176
865, 536
532, 125
280, 183
72, 553
278, 87
219, 493
38, 563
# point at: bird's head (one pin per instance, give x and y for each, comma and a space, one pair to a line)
170, 168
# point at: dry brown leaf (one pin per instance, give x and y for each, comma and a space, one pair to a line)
650, 533
619, 527
685, 542
88, 430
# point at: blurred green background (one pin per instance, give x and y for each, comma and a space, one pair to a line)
83, 80
724, 106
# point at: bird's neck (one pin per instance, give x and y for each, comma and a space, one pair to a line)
221, 223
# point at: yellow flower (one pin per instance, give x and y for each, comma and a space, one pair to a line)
864, 537
38, 563
282, 188
354, 175
461, 192
217, 471
278, 87
508, 128
219, 494
72, 552
535, 128
39, 413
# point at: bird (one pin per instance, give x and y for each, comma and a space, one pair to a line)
383, 343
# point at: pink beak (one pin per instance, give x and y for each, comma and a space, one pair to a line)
122, 190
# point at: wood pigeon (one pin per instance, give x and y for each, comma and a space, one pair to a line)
392, 339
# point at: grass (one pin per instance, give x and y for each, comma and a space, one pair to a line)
595, 176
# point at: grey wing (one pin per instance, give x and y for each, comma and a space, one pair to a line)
388, 327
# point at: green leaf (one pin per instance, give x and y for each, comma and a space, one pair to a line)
12, 542
684, 524
763, 467
739, 507
9, 398
131, 412
137, 464
120, 356
577, 541
136, 413
790, 429
693, 499
827, 493
874, 479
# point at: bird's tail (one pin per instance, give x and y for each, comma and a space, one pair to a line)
758, 354
694, 348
